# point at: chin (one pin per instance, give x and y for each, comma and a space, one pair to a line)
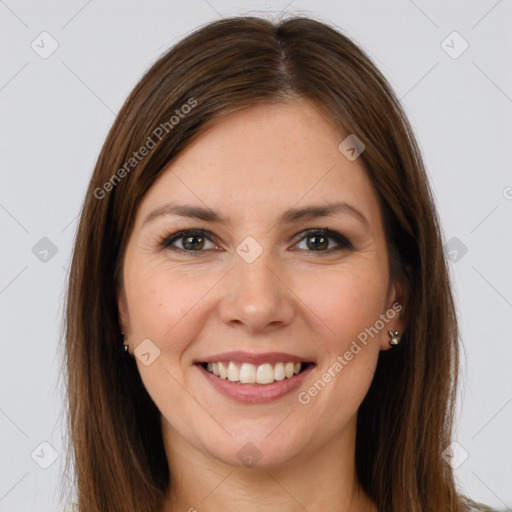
250, 451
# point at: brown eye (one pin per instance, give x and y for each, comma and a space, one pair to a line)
319, 240
194, 241
191, 241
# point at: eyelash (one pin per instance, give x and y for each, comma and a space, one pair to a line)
166, 243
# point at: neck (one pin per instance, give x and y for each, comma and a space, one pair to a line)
317, 480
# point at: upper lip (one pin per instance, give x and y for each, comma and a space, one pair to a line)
256, 359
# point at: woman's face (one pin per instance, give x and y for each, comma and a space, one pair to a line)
253, 290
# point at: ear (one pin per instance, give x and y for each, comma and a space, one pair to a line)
395, 313
122, 306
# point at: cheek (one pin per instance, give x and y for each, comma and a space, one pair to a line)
161, 303
160, 298
347, 300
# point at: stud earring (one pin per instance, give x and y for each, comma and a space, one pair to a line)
395, 337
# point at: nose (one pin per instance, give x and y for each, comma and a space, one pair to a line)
256, 297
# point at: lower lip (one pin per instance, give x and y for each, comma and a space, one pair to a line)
256, 393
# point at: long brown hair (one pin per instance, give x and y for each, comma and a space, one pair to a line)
405, 421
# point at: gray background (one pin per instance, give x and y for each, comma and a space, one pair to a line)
55, 114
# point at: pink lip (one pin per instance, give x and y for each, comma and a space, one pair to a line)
256, 359
256, 393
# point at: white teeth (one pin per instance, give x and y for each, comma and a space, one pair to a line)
248, 373
233, 372
279, 371
265, 374
223, 371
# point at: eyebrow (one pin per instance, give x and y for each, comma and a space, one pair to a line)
290, 216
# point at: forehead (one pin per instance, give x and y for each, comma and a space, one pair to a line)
263, 160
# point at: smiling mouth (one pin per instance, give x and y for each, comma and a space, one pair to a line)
247, 373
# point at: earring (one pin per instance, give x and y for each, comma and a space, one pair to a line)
125, 347
395, 337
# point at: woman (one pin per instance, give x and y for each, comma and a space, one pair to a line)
259, 312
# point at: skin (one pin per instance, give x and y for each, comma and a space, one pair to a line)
250, 167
